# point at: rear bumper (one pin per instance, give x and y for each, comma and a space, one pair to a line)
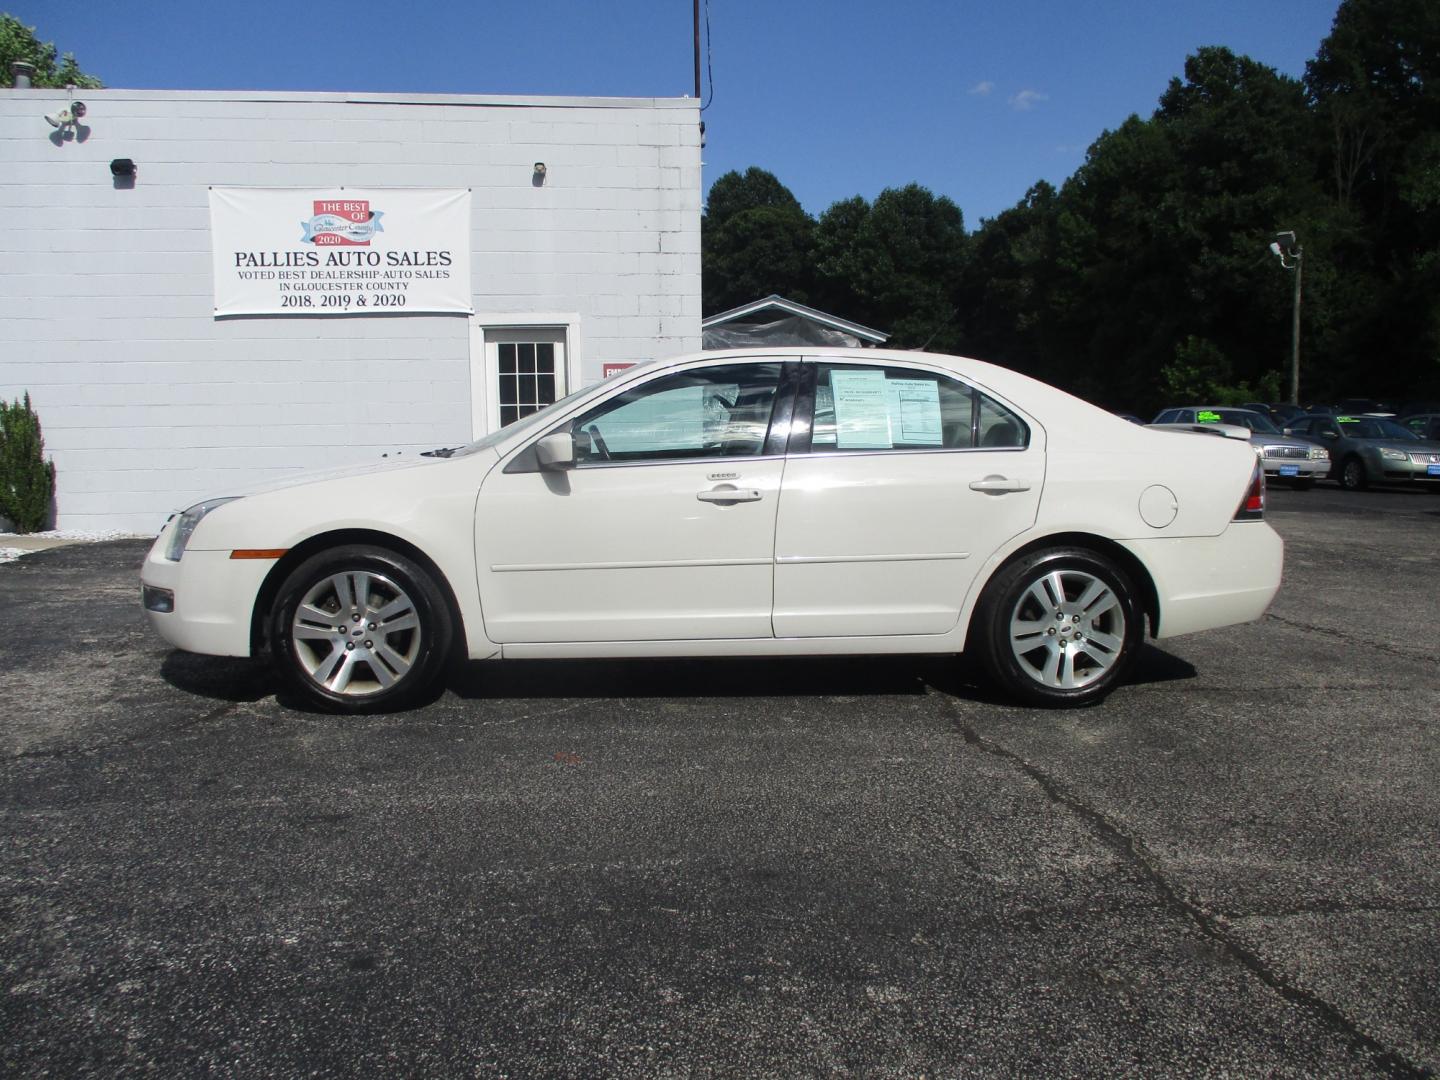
1208, 582
213, 598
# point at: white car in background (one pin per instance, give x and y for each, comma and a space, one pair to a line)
746, 503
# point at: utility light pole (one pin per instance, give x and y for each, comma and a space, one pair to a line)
1287, 247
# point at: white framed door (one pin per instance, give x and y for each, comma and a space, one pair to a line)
518, 367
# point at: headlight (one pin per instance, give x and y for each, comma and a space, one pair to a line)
1319, 453
186, 525
1393, 455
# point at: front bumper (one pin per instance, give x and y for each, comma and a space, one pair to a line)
1405, 472
1295, 468
212, 595
1205, 582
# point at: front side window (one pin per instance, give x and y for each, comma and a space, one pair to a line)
875, 408
721, 411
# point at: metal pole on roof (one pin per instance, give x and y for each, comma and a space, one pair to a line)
697, 50
1295, 329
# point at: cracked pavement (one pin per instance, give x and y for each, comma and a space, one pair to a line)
734, 867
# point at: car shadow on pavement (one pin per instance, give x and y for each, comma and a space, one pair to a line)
692, 677
237, 679
245, 680
962, 678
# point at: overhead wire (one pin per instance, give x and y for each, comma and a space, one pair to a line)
709, 67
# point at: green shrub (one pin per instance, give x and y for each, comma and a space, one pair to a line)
27, 480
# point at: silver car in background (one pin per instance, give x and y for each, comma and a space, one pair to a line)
1298, 462
1373, 450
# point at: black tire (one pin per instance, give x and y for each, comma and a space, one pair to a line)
1352, 474
360, 662
1013, 599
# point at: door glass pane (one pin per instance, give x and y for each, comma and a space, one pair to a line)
708, 412
875, 408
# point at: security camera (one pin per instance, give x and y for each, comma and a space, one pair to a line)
77, 109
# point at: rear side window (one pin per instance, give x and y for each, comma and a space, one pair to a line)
884, 408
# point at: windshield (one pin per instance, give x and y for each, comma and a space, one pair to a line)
525, 423
1373, 427
1246, 418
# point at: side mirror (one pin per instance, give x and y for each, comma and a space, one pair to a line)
555, 453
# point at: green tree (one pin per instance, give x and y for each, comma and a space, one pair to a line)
27, 480
755, 239
1160, 236
1013, 290
896, 265
18, 42
1375, 88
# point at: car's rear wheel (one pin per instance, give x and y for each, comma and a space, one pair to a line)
1352, 474
360, 629
1059, 627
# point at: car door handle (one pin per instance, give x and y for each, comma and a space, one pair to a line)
999, 485
729, 495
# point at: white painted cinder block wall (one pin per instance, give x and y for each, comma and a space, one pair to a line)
149, 403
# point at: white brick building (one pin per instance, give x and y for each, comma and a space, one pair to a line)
149, 401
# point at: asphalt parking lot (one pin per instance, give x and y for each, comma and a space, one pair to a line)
735, 868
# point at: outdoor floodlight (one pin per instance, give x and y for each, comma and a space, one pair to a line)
68, 117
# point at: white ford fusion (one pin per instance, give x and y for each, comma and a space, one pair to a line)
749, 503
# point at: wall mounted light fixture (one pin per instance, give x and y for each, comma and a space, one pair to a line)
122, 167
66, 118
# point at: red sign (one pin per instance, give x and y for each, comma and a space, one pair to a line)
606, 370
342, 223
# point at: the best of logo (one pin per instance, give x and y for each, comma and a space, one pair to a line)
342, 223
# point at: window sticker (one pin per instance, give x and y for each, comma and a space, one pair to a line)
1205, 416
1344, 419
915, 411
862, 410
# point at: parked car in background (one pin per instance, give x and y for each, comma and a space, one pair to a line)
1282, 411
1423, 425
774, 502
1366, 406
1296, 461
1369, 450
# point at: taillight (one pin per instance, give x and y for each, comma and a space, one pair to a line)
1252, 507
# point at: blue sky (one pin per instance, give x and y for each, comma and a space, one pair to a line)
974, 100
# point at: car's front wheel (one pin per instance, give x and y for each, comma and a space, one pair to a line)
360, 629
1352, 474
1059, 627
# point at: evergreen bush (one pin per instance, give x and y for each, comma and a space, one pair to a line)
27, 480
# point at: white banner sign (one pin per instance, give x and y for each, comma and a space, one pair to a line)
340, 251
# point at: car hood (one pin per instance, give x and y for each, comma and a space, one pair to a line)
316, 476
1259, 438
1410, 446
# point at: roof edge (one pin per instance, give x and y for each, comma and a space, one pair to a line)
398, 98
775, 300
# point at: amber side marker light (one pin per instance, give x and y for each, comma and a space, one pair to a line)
258, 553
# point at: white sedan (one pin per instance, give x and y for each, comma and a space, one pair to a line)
749, 503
